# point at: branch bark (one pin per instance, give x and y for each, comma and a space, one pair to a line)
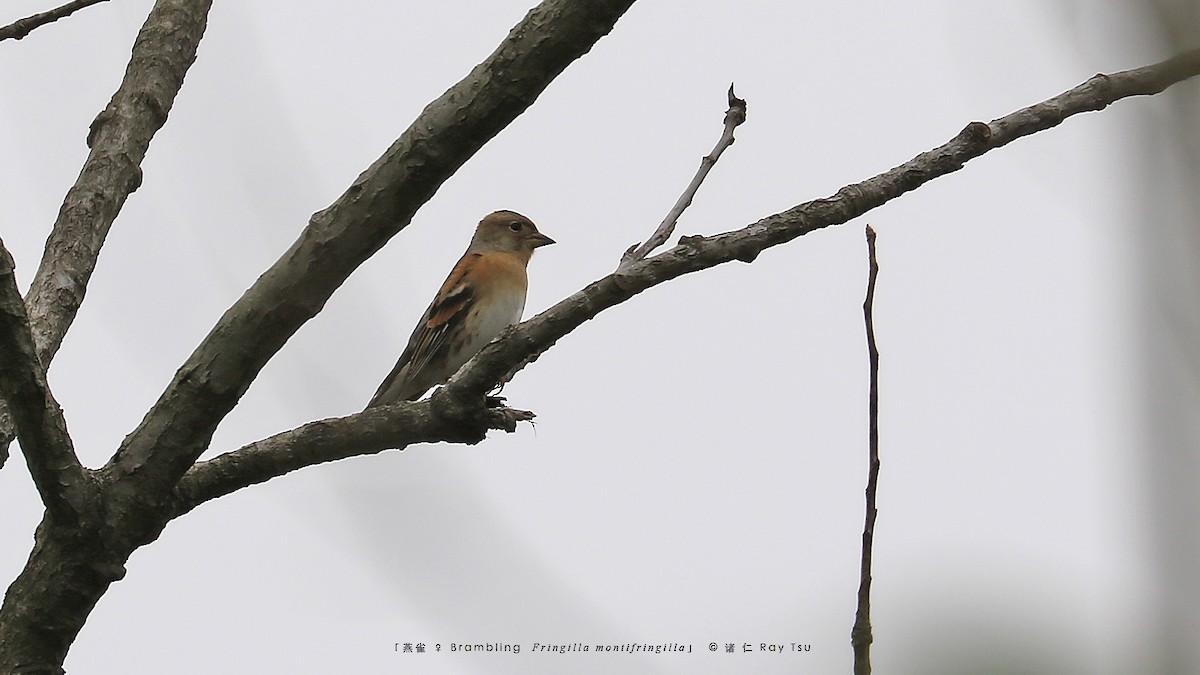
523, 343
64, 485
119, 138
338, 239
373, 430
8, 432
22, 27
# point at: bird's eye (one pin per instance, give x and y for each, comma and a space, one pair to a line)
515, 226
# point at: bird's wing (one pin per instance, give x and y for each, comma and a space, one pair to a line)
443, 318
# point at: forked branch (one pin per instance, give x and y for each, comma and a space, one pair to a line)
337, 240
64, 485
693, 254
522, 343
119, 138
735, 115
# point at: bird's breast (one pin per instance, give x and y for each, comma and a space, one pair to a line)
501, 300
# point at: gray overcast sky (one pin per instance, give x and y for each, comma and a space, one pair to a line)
697, 469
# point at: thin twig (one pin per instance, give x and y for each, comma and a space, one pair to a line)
860, 635
22, 27
735, 115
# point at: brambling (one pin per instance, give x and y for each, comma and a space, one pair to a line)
484, 294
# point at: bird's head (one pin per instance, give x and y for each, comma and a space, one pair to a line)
508, 232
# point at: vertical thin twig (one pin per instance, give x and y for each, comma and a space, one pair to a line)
860, 635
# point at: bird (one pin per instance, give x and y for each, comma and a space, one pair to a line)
483, 295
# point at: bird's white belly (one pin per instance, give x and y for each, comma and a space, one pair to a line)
491, 318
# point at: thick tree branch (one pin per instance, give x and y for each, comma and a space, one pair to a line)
118, 138
22, 27
464, 394
337, 240
65, 486
365, 433
734, 116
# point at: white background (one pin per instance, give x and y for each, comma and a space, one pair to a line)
696, 472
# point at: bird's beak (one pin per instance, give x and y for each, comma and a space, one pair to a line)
539, 239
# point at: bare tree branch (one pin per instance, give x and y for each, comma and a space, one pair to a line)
696, 253
64, 485
860, 634
338, 239
22, 27
119, 137
373, 430
735, 115
463, 396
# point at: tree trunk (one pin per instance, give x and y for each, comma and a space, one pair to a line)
47, 605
